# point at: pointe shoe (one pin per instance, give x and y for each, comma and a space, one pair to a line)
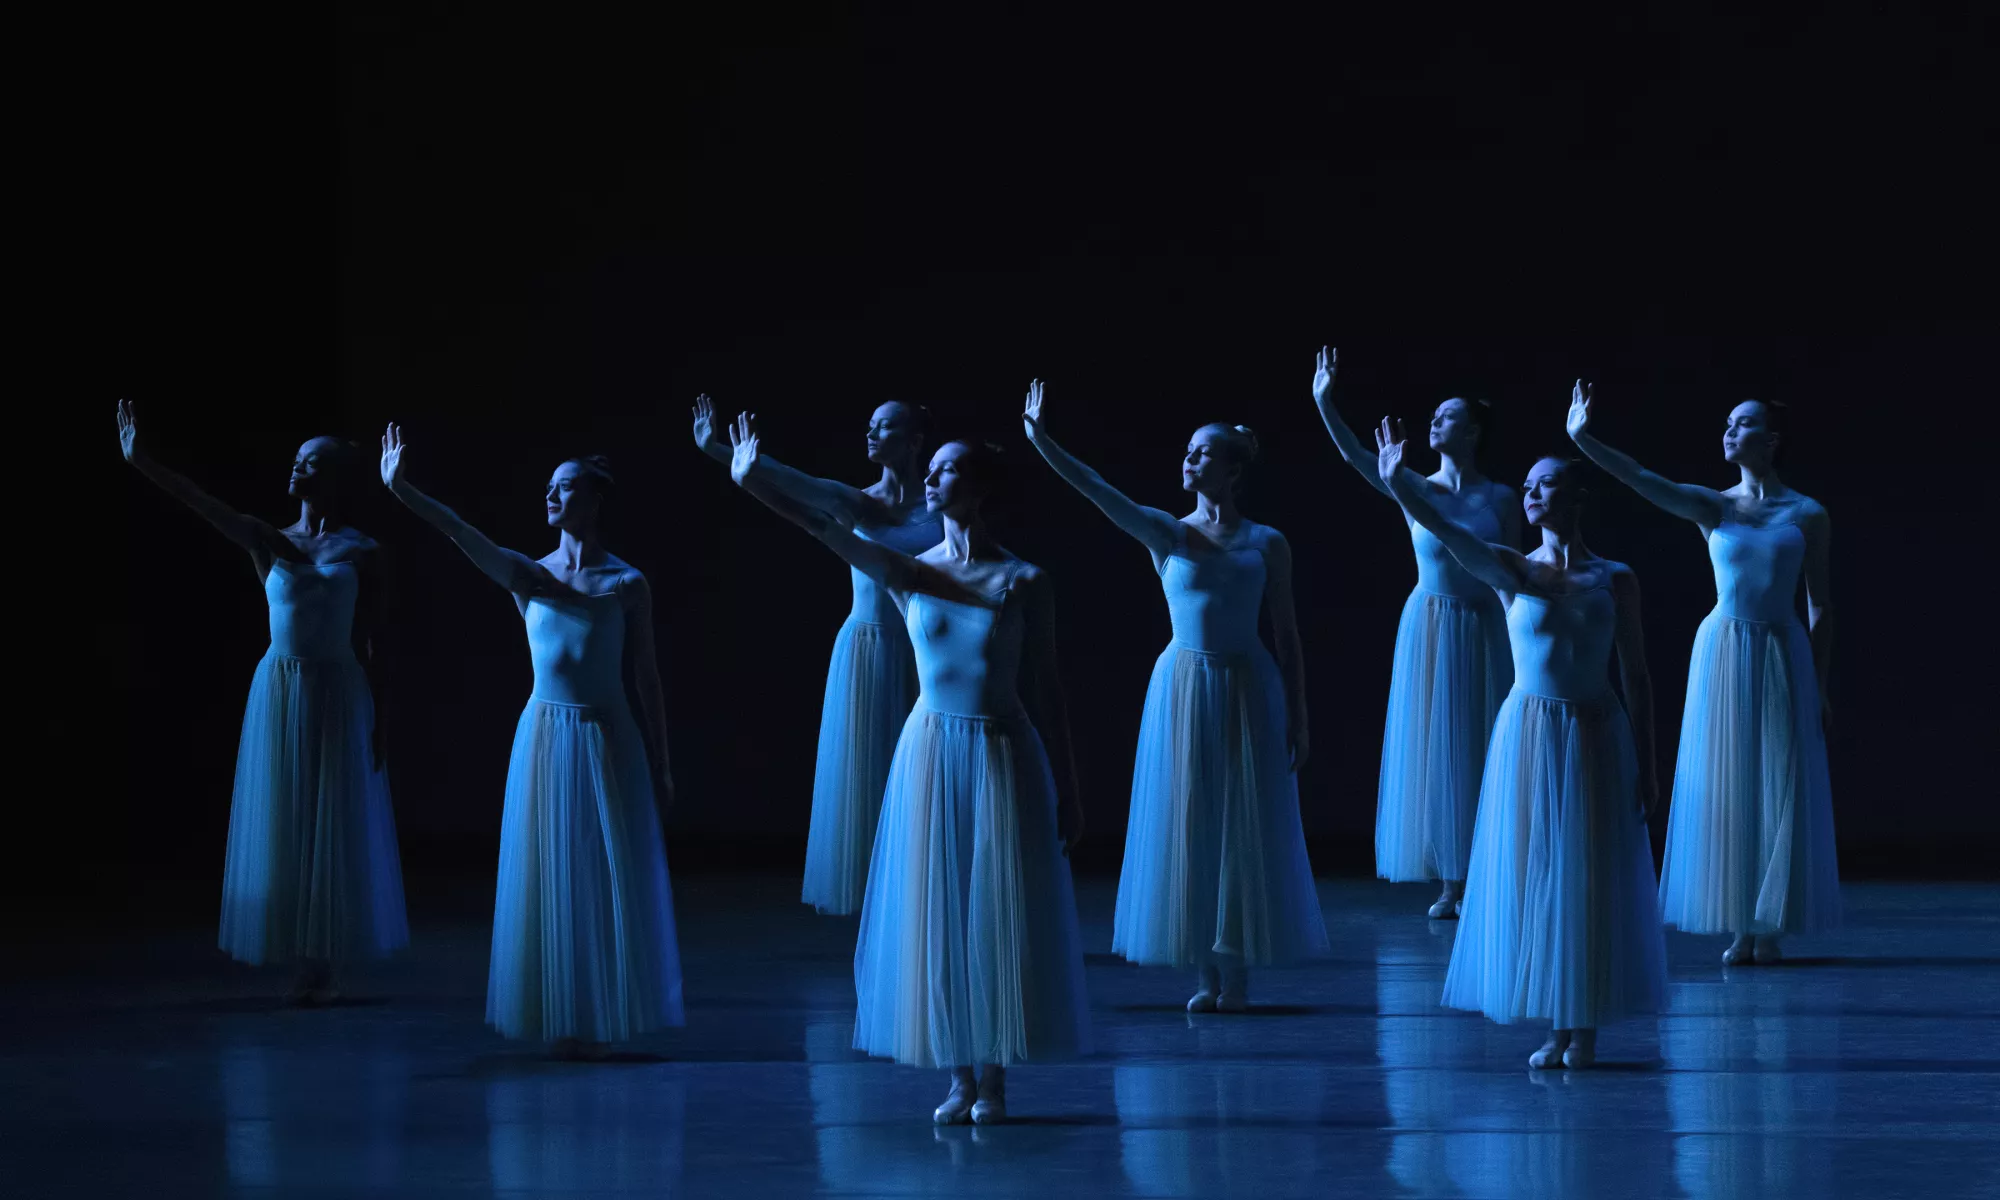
1445, 907
1549, 1057
1766, 952
1235, 994
991, 1107
1739, 954
1581, 1053
1208, 984
957, 1107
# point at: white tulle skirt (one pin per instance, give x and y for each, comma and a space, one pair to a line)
583, 919
1560, 922
1452, 670
1215, 857
1750, 834
870, 685
312, 870
968, 952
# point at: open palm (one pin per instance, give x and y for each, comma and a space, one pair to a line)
1323, 373
1389, 449
392, 456
1031, 414
743, 444
704, 422
1578, 421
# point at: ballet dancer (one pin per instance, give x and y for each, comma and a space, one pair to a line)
968, 955
1216, 875
1451, 663
583, 922
1560, 922
1750, 848
871, 681
312, 876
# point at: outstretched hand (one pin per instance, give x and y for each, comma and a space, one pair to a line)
392, 456
704, 422
1031, 415
1389, 449
1323, 374
743, 447
1579, 410
128, 431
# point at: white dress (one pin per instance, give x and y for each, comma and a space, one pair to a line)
968, 951
312, 870
1560, 922
1750, 835
583, 918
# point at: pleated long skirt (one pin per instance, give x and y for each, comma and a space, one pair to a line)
1452, 670
1750, 835
312, 869
871, 683
1560, 923
1215, 856
968, 951
583, 919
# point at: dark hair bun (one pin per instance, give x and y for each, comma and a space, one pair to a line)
598, 468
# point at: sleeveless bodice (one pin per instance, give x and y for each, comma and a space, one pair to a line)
968, 655
1562, 644
1438, 572
872, 602
1213, 599
1757, 570
577, 644
312, 608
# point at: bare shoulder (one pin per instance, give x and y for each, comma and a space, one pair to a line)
1621, 576
1811, 513
1269, 540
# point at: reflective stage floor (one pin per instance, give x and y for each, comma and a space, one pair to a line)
1868, 1065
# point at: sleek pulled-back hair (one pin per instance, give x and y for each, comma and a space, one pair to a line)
597, 469
1238, 441
984, 461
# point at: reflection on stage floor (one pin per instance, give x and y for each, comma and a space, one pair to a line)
1867, 1065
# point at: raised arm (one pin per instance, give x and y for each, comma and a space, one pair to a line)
1636, 680
1345, 440
510, 569
1501, 567
1155, 529
852, 505
1285, 631
1701, 505
637, 597
1818, 528
891, 568
261, 541
1048, 707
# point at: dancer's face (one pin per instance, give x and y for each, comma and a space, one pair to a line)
1453, 431
1550, 496
572, 498
1748, 439
948, 488
893, 436
1209, 467
315, 469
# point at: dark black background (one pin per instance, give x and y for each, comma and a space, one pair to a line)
531, 235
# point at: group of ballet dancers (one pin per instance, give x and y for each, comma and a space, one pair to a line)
944, 798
